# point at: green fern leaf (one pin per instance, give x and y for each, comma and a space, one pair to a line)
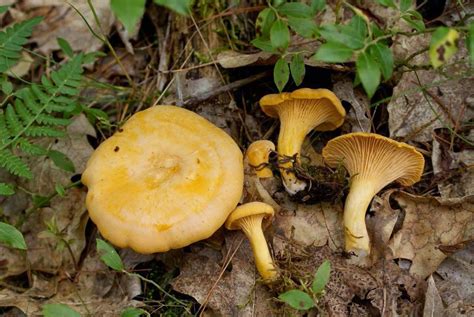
39, 131
30, 148
6, 189
4, 132
23, 111
14, 165
12, 40
50, 120
13, 122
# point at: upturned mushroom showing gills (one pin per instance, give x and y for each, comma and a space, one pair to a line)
166, 179
300, 112
373, 161
249, 218
257, 156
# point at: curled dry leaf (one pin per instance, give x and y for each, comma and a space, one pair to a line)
234, 293
61, 20
433, 302
232, 59
430, 225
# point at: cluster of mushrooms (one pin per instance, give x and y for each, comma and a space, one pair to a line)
169, 178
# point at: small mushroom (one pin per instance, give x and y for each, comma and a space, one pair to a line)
300, 112
373, 161
174, 181
249, 218
257, 156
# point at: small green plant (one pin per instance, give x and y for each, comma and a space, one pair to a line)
309, 297
360, 40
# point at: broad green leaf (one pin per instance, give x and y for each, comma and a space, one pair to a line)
132, 312
109, 256
297, 299
317, 5
357, 27
61, 160
333, 53
264, 22
11, 237
128, 12
263, 44
59, 310
384, 57
279, 35
443, 45
277, 3
405, 5
345, 36
387, 3
6, 189
470, 41
65, 47
305, 27
414, 19
369, 73
321, 278
4, 8
179, 6
295, 9
297, 69
281, 74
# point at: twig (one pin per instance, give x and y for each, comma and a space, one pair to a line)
226, 88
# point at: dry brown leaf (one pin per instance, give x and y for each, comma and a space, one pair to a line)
429, 226
433, 303
61, 20
232, 59
234, 293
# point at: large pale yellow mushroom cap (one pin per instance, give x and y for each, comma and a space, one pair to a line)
300, 112
248, 218
373, 161
167, 179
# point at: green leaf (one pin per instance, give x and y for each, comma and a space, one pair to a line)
384, 57
7, 87
387, 3
342, 35
443, 45
333, 53
263, 44
4, 8
6, 189
281, 74
356, 27
321, 278
132, 312
40, 201
414, 19
109, 256
297, 299
65, 47
369, 73
317, 5
297, 69
59, 310
264, 22
405, 5
277, 3
61, 160
295, 9
60, 190
305, 27
470, 41
182, 7
279, 35
11, 237
128, 12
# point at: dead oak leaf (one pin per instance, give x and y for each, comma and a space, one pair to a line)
429, 225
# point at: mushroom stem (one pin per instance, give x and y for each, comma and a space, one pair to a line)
355, 230
252, 228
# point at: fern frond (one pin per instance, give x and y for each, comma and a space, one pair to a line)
14, 165
30, 148
43, 131
13, 122
4, 133
6, 189
12, 40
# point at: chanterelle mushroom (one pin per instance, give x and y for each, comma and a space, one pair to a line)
300, 112
248, 218
167, 179
373, 161
257, 156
